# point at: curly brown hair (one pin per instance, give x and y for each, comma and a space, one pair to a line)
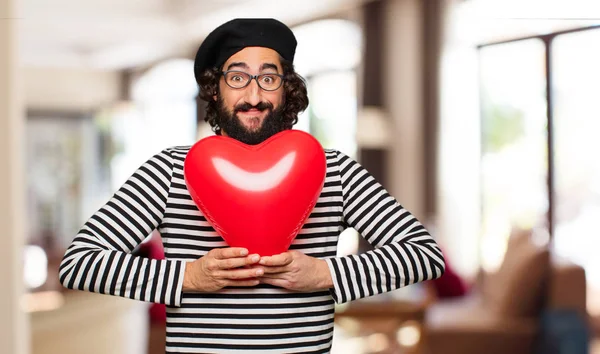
295, 99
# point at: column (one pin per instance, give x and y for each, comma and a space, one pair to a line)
14, 332
403, 97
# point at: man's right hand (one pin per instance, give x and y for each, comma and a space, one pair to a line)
219, 268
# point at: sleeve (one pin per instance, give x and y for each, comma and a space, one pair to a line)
99, 257
404, 251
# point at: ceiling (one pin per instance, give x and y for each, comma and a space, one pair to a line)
119, 34
487, 21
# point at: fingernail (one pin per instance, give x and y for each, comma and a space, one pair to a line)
254, 258
243, 252
259, 272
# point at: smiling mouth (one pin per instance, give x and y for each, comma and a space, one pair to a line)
252, 112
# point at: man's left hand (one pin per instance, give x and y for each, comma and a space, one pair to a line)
294, 270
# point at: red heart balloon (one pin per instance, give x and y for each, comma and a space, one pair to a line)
257, 196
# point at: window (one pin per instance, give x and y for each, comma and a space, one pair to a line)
328, 56
540, 167
576, 114
64, 175
514, 150
162, 113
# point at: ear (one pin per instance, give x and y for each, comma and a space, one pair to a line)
216, 93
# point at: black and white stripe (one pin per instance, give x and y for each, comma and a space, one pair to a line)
263, 318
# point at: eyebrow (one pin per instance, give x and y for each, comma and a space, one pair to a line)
237, 64
266, 66
243, 65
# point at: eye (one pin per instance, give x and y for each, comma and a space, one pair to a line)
268, 79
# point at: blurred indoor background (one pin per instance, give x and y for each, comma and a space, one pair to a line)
480, 116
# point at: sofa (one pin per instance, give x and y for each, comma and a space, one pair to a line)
502, 314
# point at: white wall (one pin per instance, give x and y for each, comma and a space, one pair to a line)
459, 149
69, 89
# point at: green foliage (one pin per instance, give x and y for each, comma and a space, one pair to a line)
502, 125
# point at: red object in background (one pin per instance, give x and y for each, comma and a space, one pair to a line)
153, 249
257, 196
450, 284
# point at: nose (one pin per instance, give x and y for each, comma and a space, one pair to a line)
253, 93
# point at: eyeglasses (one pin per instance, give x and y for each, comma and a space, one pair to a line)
240, 79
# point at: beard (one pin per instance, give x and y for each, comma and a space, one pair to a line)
232, 124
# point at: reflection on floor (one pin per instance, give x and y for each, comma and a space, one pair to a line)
344, 344
595, 349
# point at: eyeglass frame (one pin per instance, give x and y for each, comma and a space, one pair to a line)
253, 77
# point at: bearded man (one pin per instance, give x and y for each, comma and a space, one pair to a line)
220, 298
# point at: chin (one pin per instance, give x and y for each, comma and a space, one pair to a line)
252, 124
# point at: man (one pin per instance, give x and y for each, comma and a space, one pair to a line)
222, 299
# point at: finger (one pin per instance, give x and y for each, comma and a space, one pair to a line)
231, 263
275, 270
281, 259
273, 276
249, 282
231, 252
239, 273
275, 282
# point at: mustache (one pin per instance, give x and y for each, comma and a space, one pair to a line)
261, 106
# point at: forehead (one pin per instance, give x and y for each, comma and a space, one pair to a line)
254, 57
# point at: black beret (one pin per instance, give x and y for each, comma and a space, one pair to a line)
235, 35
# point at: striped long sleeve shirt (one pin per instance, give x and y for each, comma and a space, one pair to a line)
255, 319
